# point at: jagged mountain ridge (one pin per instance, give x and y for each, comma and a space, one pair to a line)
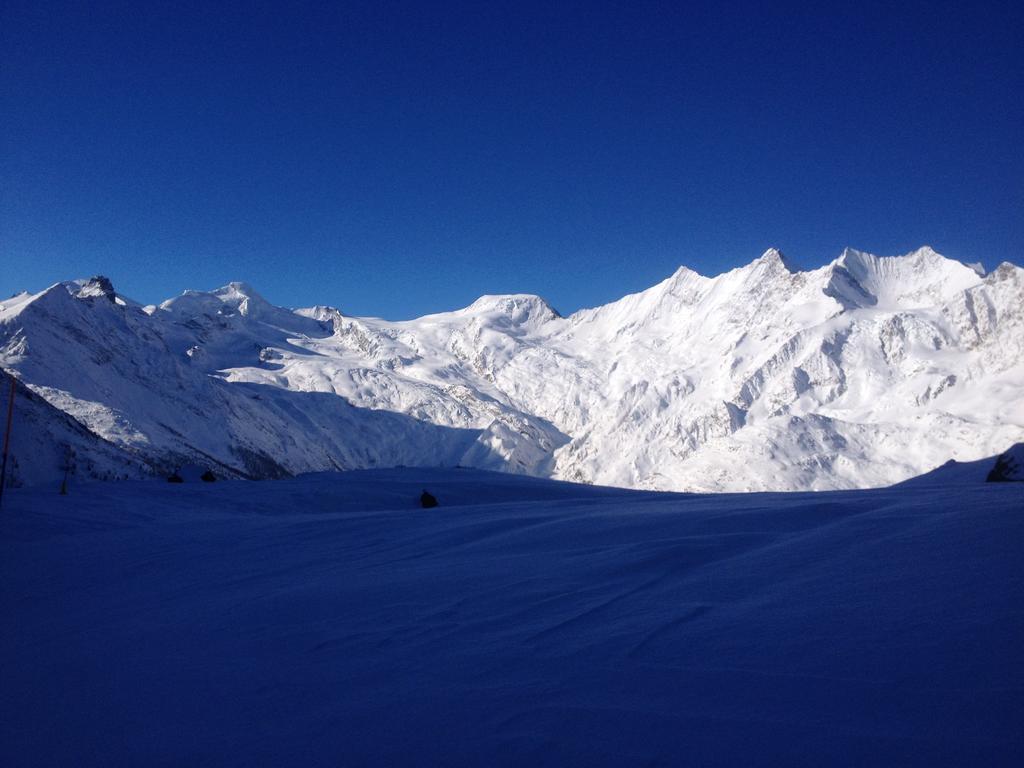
863, 372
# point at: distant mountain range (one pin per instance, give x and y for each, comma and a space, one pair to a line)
864, 372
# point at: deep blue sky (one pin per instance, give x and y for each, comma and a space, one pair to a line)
395, 159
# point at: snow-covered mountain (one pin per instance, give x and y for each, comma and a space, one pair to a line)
863, 372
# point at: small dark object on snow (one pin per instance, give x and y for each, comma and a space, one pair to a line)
427, 500
208, 477
175, 478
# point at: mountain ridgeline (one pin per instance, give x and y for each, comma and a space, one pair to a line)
861, 373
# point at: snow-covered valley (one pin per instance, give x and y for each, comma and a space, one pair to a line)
861, 373
327, 620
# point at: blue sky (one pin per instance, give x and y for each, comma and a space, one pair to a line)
394, 159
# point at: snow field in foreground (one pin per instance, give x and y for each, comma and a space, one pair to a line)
327, 620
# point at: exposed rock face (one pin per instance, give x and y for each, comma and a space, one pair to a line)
863, 372
98, 287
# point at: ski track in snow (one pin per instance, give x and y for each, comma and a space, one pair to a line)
327, 620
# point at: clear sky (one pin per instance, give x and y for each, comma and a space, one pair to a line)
398, 158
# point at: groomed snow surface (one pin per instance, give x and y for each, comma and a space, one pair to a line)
327, 620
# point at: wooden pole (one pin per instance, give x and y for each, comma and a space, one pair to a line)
7, 436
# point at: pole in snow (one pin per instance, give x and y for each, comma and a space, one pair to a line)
7, 435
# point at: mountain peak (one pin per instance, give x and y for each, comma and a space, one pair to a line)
849, 253
243, 298
926, 251
234, 297
928, 255
237, 290
915, 279
772, 259
518, 306
97, 286
684, 273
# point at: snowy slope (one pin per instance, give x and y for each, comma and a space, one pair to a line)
326, 620
862, 373
1008, 466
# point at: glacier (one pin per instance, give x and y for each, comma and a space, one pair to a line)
861, 373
